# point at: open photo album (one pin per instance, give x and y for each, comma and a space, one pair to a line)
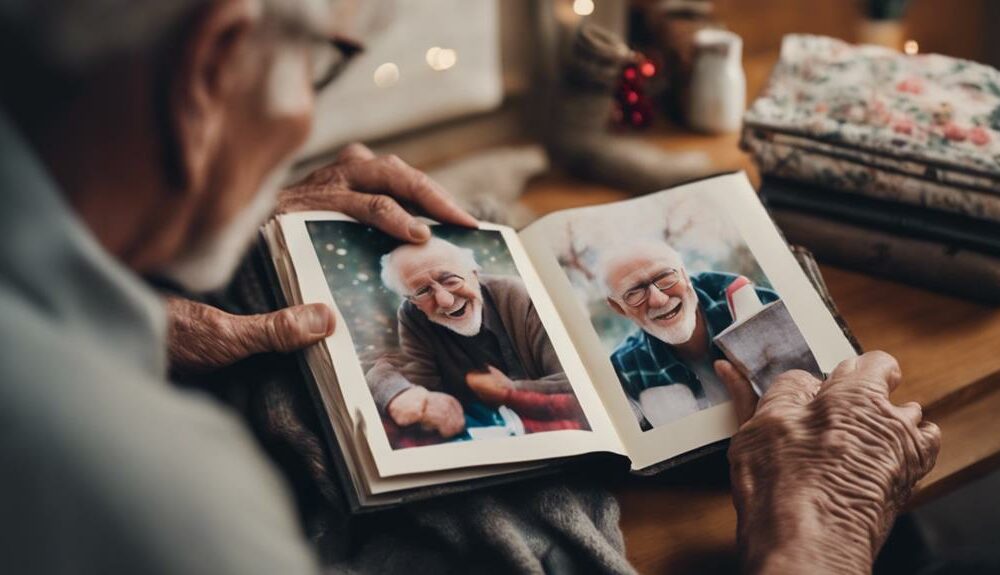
486, 353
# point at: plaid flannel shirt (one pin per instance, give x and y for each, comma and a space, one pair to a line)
642, 361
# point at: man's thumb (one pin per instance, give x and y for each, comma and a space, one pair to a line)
289, 329
739, 388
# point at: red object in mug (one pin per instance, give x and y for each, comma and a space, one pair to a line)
733, 288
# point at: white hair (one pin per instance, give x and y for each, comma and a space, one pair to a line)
615, 256
72, 36
433, 249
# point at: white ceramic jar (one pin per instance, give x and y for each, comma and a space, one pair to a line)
718, 84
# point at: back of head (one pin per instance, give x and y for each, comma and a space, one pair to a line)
196, 104
47, 47
71, 36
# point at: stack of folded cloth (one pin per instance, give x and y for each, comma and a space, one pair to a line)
884, 162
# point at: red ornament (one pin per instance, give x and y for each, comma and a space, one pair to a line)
633, 106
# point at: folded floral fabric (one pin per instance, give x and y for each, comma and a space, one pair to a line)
796, 159
935, 117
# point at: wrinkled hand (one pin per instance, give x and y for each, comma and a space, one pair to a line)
358, 183
492, 387
369, 189
434, 411
820, 471
202, 337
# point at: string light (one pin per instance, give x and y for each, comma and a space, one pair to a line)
583, 7
440, 59
432, 55
911, 47
386, 75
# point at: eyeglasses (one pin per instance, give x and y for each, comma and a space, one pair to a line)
450, 283
329, 58
638, 295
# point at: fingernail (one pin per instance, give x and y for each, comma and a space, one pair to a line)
419, 231
317, 319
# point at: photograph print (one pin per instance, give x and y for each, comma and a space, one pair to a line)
447, 335
670, 288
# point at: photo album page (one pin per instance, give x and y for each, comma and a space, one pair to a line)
654, 289
448, 354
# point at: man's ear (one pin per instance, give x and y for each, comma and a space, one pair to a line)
206, 71
616, 306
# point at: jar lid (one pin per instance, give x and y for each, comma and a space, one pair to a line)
716, 41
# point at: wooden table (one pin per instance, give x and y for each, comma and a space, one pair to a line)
949, 350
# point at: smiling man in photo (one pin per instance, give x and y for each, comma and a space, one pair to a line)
665, 366
464, 336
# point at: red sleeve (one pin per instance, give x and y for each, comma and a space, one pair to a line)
545, 406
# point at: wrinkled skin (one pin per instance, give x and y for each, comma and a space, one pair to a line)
821, 469
202, 337
358, 183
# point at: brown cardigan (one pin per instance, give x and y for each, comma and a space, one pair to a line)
424, 353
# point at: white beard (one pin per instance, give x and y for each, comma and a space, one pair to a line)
468, 325
209, 264
680, 331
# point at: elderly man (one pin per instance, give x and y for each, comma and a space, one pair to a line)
464, 337
134, 137
149, 138
665, 366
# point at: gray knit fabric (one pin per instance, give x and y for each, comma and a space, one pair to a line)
554, 525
